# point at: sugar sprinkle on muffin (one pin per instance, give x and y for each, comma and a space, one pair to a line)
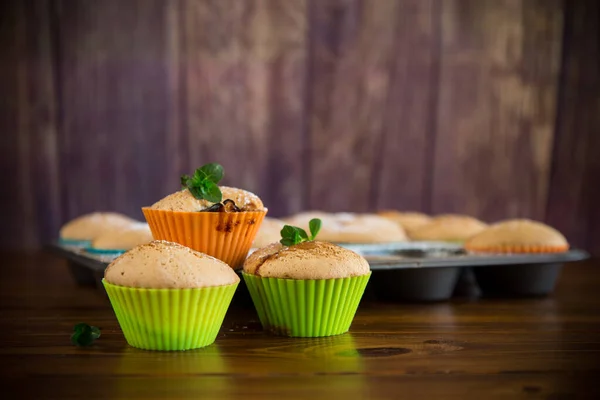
169, 297
167, 265
305, 288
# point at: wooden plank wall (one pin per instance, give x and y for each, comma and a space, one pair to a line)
483, 107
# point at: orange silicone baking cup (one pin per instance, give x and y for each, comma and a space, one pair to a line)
526, 248
226, 236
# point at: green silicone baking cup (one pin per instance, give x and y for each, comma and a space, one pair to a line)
306, 308
170, 319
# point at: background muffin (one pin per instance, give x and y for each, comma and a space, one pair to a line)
518, 236
269, 232
184, 294
407, 220
122, 240
351, 228
448, 228
217, 220
82, 230
307, 289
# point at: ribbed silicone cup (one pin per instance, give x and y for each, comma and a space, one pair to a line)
170, 319
226, 236
306, 308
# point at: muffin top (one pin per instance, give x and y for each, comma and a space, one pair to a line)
90, 226
183, 200
448, 228
518, 235
301, 219
407, 220
124, 239
306, 260
352, 228
166, 265
269, 232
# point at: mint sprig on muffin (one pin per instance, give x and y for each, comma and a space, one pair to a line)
203, 184
292, 235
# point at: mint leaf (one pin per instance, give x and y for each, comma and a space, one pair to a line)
211, 192
184, 181
84, 334
95, 332
287, 242
196, 192
210, 172
204, 183
315, 226
287, 231
292, 235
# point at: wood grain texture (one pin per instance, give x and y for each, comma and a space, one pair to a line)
352, 51
114, 99
30, 178
245, 74
486, 348
574, 191
496, 107
403, 166
342, 105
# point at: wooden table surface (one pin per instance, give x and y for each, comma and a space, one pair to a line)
546, 348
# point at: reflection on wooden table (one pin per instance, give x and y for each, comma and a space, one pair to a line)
467, 348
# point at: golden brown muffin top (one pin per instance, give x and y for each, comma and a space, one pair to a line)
90, 226
350, 227
167, 265
269, 232
306, 260
450, 228
518, 232
408, 220
183, 200
124, 239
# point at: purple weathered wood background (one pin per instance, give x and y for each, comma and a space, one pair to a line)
483, 107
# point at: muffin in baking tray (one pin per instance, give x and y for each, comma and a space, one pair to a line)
268, 233
309, 289
518, 236
408, 220
119, 241
351, 228
217, 220
85, 228
448, 228
169, 297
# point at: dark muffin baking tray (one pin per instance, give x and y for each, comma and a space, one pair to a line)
412, 271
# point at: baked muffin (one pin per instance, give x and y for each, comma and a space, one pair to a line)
169, 297
269, 232
219, 221
308, 289
302, 219
352, 228
518, 236
118, 242
407, 220
448, 228
83, 229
